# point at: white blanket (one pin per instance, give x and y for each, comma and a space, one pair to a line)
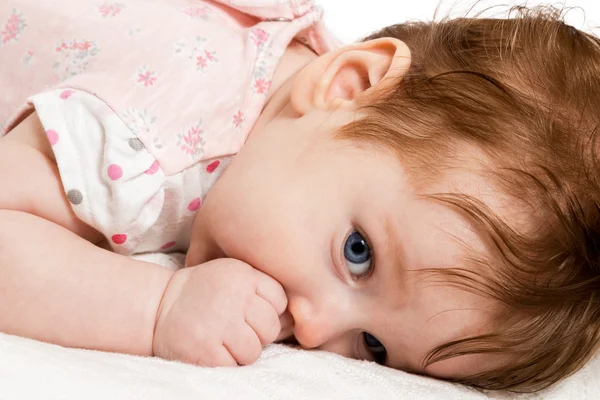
36, 370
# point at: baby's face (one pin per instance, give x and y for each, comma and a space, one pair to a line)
342, 231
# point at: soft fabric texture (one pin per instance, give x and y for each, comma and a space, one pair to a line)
145, 102
114, 183
35, 370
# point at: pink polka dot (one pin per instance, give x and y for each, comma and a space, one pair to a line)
167, 245
195, 204
114, 172
66, 94
213, 165
153, 168
119, 238
52, 137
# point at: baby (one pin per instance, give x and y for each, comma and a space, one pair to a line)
426, 198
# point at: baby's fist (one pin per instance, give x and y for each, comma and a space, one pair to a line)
220, 313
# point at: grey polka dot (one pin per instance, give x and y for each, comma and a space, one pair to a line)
136, 144
75, 196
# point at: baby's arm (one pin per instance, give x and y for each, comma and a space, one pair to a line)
59, 286
56, 285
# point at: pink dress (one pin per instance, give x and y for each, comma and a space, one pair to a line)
145, 101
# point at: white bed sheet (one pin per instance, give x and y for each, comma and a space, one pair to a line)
35, 370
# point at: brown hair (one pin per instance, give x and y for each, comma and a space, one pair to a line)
526, 91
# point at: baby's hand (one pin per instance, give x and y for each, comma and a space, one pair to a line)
219, 313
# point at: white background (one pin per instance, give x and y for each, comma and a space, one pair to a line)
350, 20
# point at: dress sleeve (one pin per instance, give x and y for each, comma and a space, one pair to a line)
113, 183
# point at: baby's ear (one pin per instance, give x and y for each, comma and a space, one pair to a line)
336, 79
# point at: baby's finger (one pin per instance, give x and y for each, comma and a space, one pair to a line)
243, 344
272, 291
216, 356
263, 319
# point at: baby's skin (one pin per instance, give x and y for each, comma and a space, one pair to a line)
304, 237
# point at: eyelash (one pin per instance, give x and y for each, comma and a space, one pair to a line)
379, 357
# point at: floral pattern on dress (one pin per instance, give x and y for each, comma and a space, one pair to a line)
12, 28
109, 10
74, 56
305, 6
134, 31
197, 12
27, 58
192, 141
238, 119
195, 51
260, 78
143, 124
259, 37
261, 85
145, 77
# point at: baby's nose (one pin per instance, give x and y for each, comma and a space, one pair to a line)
314, 326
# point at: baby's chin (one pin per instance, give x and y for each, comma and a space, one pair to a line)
199, 253
192, 257
188, 258
195, 257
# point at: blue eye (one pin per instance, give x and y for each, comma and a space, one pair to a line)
375, 347
357, 254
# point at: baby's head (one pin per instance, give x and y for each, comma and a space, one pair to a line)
429, 199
